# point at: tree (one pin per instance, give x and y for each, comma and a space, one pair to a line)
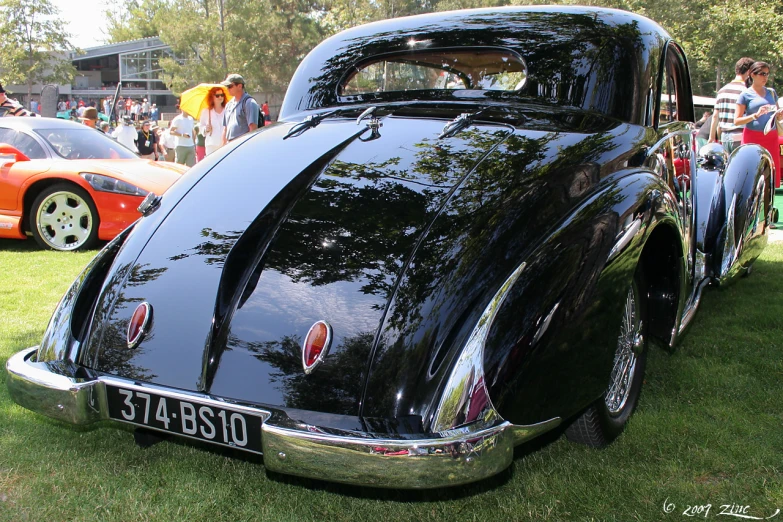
132, 19
264, 41
33, 44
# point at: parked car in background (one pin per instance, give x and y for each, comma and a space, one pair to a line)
72, 115
69, 185
463, 232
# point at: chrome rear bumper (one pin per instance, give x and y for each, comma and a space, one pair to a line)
451, 458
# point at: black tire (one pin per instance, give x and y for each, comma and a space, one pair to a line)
64, 217
606, 418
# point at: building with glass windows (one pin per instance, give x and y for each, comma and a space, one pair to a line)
135, 64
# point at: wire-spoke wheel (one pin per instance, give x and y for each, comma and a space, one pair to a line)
63, 217
605, 419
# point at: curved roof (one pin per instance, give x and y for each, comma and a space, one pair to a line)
598, 59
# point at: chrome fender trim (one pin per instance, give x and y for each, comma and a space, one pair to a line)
466, 383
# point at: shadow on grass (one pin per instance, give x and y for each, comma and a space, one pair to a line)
29, 245
145, 438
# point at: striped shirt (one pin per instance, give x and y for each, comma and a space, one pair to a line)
11, 108
726, 105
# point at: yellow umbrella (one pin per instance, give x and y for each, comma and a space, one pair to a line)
197, 98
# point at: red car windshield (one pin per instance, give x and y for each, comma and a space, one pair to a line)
84, 143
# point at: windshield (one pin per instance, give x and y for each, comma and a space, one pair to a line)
438, 69
84, 143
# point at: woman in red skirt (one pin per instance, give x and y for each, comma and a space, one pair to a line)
753, 107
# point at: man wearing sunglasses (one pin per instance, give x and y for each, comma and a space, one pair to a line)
241, 114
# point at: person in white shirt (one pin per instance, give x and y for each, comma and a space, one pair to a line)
211, 121
182, 129
135, 110
126, 134
169, 143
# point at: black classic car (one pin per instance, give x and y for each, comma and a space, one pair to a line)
464, 232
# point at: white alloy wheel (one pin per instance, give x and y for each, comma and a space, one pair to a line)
64, 218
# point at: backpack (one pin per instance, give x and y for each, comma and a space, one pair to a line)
260, 112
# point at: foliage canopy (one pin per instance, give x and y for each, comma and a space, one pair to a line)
31, 36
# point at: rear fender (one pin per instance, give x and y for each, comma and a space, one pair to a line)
743, 213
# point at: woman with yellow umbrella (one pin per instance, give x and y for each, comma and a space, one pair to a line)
206, 102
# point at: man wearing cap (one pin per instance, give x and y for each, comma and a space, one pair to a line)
90, 117
147, 142
241, 113
9, 107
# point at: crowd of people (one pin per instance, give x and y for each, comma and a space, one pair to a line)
183, 140
218, 123
742, 110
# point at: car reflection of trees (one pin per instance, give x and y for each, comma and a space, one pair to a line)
319, 390
499, 207
377, 214
111, 353
579, 61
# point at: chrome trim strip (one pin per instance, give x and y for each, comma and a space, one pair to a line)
524, 433
469, 453
729, 251
690, 311
466, 382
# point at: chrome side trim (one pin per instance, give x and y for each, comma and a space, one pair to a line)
466, 383
525, 433
467, 454
690, 310
729, 250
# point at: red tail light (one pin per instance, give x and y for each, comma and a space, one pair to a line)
316, 345
138, 324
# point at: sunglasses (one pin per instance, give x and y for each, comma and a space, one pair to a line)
220, 95
762, 74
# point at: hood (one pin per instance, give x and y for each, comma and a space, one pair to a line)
152, 176
370, 236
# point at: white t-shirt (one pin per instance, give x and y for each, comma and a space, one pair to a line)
169, 141
126, 135
211, 117
183, 125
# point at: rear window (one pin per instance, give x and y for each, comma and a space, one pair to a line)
438, 69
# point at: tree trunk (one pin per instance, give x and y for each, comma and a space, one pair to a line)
223, 37
717, 78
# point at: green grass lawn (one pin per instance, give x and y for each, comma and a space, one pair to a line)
709, 430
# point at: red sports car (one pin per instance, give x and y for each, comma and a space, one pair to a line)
68, 185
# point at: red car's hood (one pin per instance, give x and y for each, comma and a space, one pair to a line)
153, 176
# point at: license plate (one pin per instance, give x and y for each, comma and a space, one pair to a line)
189, 418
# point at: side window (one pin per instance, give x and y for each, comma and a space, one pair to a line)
7, 136
676, 95
29, 146
668, 100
